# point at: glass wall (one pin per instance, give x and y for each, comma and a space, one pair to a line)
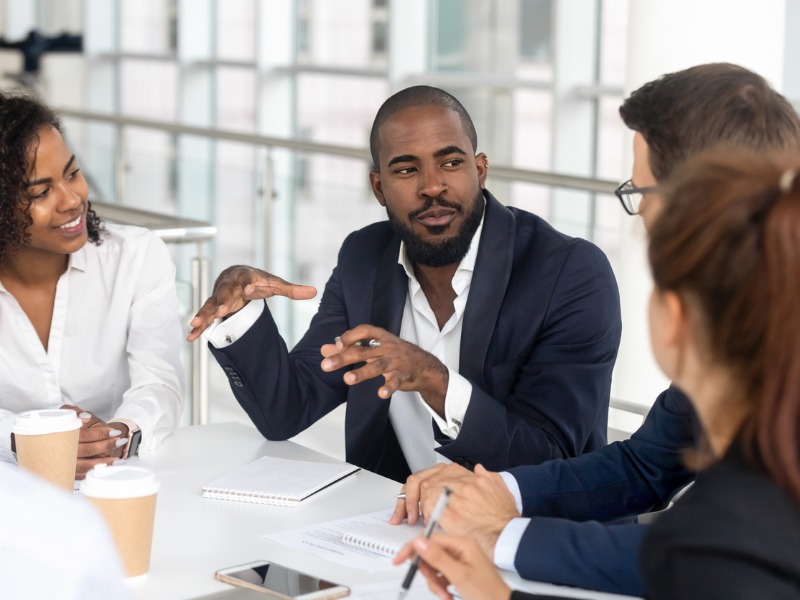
542, 80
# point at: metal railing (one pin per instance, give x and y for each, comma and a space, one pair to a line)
587, 184
180, 230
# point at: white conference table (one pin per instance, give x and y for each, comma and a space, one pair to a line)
194, 536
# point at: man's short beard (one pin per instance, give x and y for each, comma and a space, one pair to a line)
445, 252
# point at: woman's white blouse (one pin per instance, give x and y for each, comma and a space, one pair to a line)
115, 340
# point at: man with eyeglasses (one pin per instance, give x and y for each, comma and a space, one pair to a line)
631, 196
567, 538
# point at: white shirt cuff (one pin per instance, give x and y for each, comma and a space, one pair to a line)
456, 401
222, 333
513, 486
505, 550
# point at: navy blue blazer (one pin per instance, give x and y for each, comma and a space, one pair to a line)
623, 479
539, 340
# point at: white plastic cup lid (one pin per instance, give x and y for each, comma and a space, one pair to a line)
40, 422
121, 481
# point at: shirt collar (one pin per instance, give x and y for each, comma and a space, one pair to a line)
467, 263
77, 260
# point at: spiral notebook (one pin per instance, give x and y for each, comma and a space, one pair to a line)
277, 481
383, 538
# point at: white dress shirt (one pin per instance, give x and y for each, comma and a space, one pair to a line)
115, 340
410, 415
53, 544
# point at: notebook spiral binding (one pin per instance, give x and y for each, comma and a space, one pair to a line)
375, 546
251, 497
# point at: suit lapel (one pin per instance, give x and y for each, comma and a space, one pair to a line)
391, 288
488, 288
367, 416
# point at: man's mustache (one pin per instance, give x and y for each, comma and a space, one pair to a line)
430, 203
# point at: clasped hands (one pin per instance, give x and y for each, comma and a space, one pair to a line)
404, 366
99, 442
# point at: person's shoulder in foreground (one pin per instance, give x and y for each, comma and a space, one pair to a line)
52, 544
736, 535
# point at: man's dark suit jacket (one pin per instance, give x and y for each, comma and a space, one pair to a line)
734, 535
539, 339
565, 543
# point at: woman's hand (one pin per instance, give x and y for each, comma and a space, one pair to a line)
458, 561
99, 442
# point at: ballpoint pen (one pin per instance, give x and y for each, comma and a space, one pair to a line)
438, 510
369, 343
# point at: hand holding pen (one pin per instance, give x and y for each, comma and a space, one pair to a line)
459, 561
441, 504
375, 352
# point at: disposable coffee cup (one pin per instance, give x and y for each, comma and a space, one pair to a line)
126, 497
47, 444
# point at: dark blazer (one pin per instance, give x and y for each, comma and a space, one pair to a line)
623, 479
540, 335
734, 535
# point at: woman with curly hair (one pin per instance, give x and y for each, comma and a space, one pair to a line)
88, 311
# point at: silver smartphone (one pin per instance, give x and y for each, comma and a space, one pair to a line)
281, 582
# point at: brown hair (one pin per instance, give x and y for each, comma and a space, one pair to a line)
728, 238
700, 108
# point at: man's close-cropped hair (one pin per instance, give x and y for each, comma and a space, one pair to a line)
418, 95
21, 118
709, 106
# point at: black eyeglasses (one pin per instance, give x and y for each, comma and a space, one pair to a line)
631, 197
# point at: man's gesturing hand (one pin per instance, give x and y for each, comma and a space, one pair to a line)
404, 366
235, 287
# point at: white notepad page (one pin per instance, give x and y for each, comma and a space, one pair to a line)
382, 538
276, 481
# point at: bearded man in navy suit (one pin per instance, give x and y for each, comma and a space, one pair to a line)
459, 329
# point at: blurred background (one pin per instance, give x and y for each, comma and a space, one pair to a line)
239, 129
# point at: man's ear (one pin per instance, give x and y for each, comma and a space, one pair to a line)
482, 163
377, 187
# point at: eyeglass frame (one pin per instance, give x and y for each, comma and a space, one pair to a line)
621, 192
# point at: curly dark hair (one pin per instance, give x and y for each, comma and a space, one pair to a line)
22, 116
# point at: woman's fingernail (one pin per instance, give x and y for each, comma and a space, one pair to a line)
114, 433
122, 442
421, 545
85, 415
119, 461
